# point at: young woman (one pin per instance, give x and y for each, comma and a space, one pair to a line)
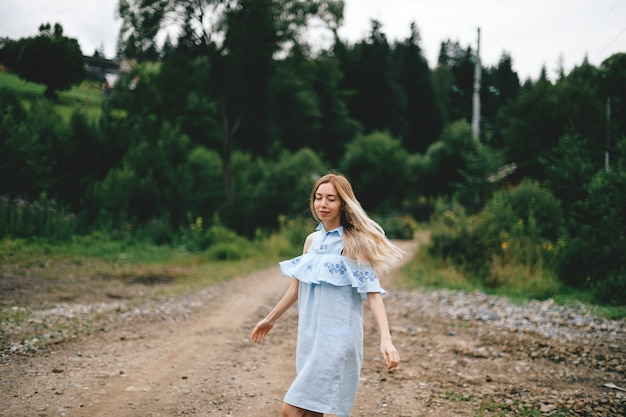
335, 274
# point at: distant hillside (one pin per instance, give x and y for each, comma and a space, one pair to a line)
87, 96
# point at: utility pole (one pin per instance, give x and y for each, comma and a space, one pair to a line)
608, 134
476, 103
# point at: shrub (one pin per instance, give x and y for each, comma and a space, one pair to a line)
505, 244
229, 251
522, 226
378, 167
224, 244
453, 238
595, 257
398, 227
285, 186
611, 289
289, 240
529, 200
438, 172
154, 179
157, 230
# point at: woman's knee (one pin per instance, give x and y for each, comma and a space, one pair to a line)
288, 410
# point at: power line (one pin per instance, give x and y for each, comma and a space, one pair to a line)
586, 38
612, 42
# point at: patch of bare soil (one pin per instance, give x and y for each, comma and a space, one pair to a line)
193, 356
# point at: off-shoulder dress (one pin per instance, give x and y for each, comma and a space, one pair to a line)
329, 350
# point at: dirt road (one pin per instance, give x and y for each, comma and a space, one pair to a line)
205, 364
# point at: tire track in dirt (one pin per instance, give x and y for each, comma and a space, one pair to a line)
192, 353
203, 365
159, 369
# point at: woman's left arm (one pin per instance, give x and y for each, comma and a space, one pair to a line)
388, 350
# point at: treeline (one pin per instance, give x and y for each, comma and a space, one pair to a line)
231, 126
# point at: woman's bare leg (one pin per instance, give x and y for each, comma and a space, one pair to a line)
289, 410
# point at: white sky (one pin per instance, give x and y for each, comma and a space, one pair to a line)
535, 33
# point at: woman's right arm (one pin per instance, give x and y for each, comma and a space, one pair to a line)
264, 326
291, 296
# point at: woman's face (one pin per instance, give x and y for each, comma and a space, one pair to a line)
327, 205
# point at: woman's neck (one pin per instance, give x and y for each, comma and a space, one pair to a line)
328, 226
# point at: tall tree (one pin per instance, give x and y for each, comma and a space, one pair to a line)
500, 85
241, 38
51, 59
583, 107
531, 126
376, 100
461, 65
614, 94
412, 73
337, 127
310, 107
10, 52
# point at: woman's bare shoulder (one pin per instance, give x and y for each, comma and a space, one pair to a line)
308, 242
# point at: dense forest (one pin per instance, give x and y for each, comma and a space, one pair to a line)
231, 121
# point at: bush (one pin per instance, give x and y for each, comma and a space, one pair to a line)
33, 140
229, 252
611, 289
289, 240
285, 187
218, 234
398, 227
207, 187
522, 226
218, 240
595, 257
505, 245
378, 168
153, 181
529, 200
157, 230
438, 172
453, 238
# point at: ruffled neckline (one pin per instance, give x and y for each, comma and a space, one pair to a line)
323, 262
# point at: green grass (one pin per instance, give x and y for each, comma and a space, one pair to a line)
490, 408
425, 272
86, 96
129, 259
37, 272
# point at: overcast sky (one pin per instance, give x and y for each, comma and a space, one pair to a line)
535, 33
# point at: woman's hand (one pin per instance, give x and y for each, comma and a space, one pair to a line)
261, 330
390, 355
264, 326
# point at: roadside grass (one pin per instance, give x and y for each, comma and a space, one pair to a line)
495, 409
87, 96
98, 270
425, 272
128, 261
96, 267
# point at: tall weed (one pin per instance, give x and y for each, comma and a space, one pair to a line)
42, 218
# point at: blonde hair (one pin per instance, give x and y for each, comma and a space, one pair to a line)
364, 240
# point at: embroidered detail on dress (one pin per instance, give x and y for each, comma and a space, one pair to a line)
335, 268
364, 276
295, 261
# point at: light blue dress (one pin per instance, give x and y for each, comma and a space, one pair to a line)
329, 350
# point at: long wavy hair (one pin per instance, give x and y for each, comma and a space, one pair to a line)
364, 240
